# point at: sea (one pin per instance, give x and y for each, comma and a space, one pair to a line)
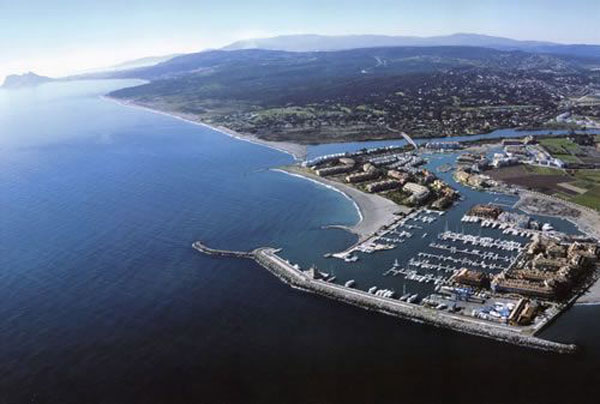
103, 300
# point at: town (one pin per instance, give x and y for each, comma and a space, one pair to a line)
499, 272
393, 172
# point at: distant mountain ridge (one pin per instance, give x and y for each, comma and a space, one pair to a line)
143, 62
154, 66
29, 79
357, 94
383, 60
309, 43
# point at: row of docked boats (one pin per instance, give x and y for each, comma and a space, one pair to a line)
413, 275
409, 298
372, 247
464, 261
480, 241
425, 264
488, 255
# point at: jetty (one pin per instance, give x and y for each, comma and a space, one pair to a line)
309, 281
222, 253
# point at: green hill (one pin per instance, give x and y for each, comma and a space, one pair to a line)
314, 97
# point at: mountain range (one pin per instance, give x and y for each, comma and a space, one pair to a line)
307, 43
231, 64
323, 43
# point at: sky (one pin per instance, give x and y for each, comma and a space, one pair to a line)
58, 38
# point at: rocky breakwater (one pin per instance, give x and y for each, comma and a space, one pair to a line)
295, 277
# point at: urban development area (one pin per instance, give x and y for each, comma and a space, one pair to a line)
470, 240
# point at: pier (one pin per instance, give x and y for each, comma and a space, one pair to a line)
295, 277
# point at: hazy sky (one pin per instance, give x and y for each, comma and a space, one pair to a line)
62, 37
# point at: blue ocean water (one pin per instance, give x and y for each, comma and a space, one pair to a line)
102, 300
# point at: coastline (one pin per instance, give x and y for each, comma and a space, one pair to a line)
374, 211
297, 151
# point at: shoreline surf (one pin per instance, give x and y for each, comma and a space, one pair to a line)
375, 211
297, 151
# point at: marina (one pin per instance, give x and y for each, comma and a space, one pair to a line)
459, 263
410, 306
445, 260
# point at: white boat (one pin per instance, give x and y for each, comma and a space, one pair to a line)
413, 298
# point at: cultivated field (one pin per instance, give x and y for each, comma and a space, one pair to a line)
579, 186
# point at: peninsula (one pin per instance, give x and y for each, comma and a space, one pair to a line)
29, 79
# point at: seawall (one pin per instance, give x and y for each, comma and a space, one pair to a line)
293, 276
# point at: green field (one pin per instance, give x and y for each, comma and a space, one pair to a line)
591, 198
587, 180
543, 170
561, 148
559, 143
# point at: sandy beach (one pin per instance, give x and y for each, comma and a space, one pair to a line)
375, 211
297, 151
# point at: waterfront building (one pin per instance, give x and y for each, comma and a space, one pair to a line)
516, 312
418, 192
347, 161
383, 185
528, 313
462, 176
478, 181
485, 211
399, 175
368, 167
442, 203
362, 176
500, 160
341, 169
523, 287
472, 278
